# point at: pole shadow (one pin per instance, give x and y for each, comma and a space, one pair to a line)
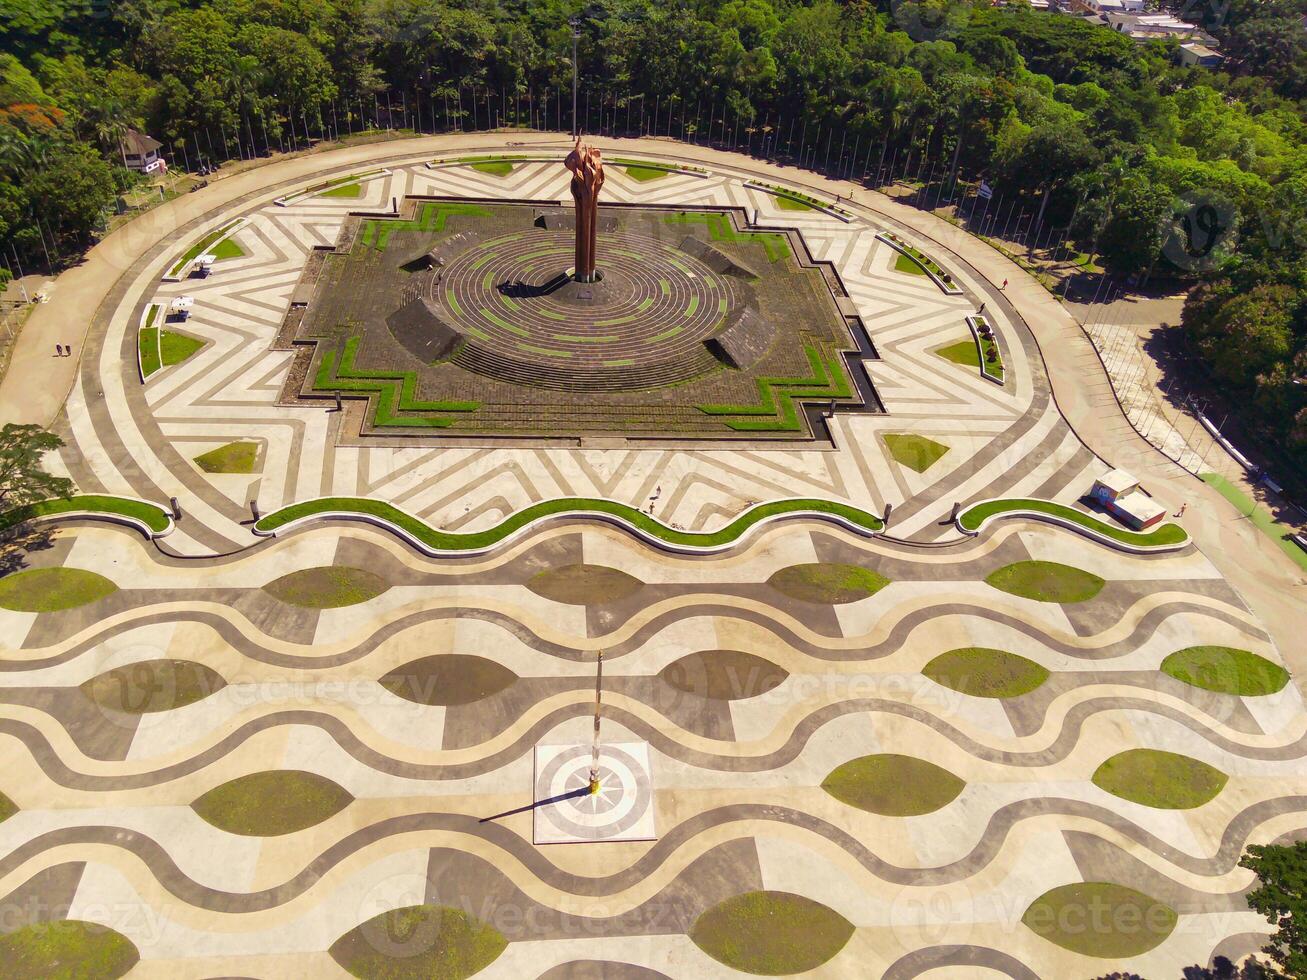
572, 795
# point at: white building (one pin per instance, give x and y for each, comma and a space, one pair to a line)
141, 152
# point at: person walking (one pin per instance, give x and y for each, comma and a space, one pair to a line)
58, 350
981, 310
1004, 286
1183, 507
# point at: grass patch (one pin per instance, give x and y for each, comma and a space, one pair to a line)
431, 218
235, 457
643, 173
67, 949
986, 673
419, 942
963, 352
1260, 516
893, 785
7, 808
973, 517
327, 587
228, 248
272, 803
153, 685
926, 263
176, 347
448, 679
496, 168
147, 344
827, 582
1165, 780
720, 228
787, 203
583, 585
906, 263
395, 391
915, 452
1046, 581
993, 357
1100, 918
1226, 670
154, 517
52, 589
205, 244
463, 541
771, 933
344, 190
777, 409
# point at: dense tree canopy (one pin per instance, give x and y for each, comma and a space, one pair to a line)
1177, 172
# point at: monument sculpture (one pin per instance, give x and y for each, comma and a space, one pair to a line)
587, 168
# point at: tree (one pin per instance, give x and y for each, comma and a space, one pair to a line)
23, 480
72, 189
1281, 896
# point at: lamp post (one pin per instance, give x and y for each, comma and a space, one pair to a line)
576, 36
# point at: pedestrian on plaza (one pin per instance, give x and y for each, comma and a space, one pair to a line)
1183, 507
981, 310
58, 350
1004, 286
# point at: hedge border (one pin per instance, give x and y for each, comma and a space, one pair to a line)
435, 542
150, 519
1051, 512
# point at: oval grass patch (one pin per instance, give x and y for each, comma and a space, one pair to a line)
53, 589
448, 679
893, 785
827, 582
723, 675
153, 685
327, 587
1046, 581
771, 933
1099, 918
272, 803
583, 585
985, 673
1165, 780
418, 942
1226, 670
68, 948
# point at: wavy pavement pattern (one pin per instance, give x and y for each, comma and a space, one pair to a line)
416, 789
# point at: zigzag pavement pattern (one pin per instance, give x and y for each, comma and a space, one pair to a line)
125, 439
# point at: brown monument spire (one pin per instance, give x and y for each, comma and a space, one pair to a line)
587, 178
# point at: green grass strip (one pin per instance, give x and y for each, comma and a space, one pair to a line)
147, 340
777, 410
156, 518
198, 249
973, 517
396, 391
455, 541
1261, 518
719, 226
503, 324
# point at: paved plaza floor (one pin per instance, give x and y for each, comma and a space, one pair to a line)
244, 755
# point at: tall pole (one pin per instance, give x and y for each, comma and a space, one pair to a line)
576, 36
594, 750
